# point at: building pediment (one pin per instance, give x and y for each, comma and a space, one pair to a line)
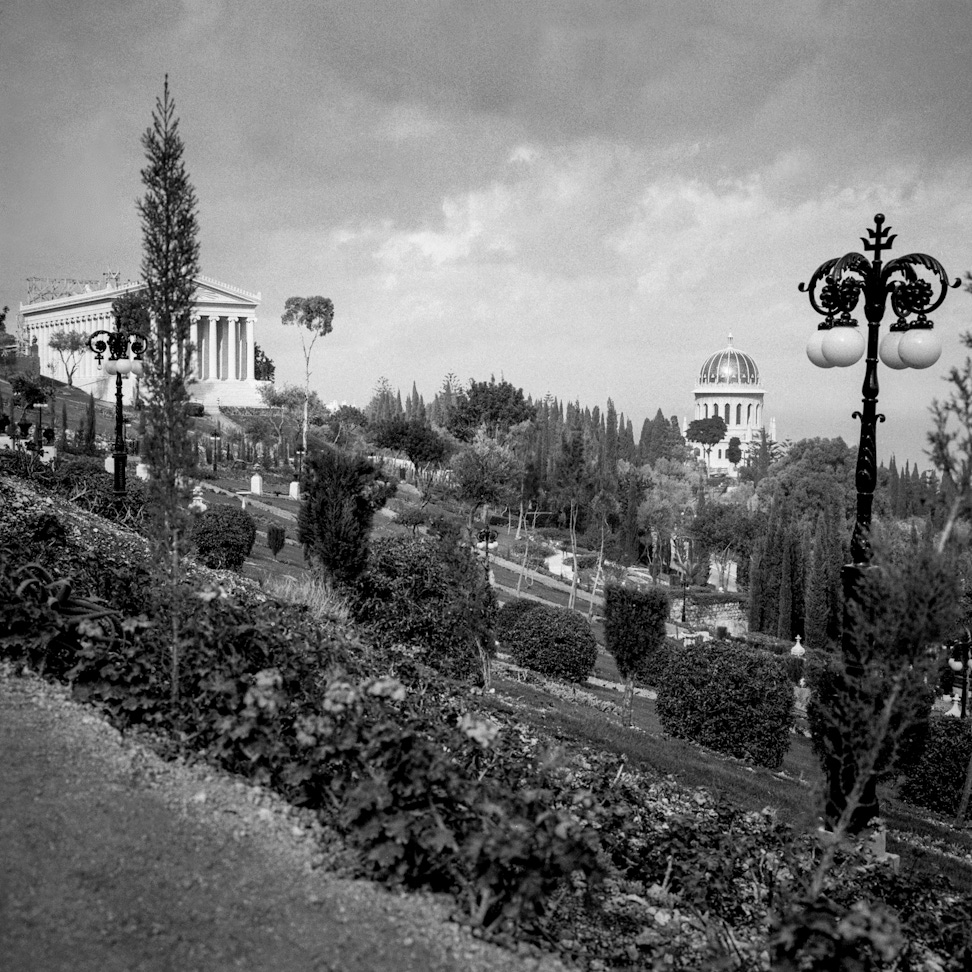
207, 292
210, 291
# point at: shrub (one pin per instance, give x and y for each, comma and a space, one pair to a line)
341, 492
507, 617
729, 698
778, 646
319, 597
276, 538
431, 594
223, 537
83, 480
634, 627
410, 517
936, 779
555, 642
653, 668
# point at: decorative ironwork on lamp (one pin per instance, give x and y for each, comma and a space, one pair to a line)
118, 344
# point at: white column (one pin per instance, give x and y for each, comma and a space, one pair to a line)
250, 347
231, 348
196, 350
213, 346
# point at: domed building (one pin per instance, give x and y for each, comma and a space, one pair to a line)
729, 386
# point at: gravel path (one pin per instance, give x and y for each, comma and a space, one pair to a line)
111, 859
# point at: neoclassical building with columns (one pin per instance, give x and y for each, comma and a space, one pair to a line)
223, 335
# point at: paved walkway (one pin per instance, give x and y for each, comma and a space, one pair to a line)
112, 861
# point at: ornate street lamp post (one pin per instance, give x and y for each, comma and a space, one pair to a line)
834, 291
119, 344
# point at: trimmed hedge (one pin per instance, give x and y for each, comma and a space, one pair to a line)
937, 778
729, 698
507, 617
555, 642
634, 626
653, 669
223, 537
276, 538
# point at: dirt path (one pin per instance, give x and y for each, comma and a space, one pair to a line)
111, 859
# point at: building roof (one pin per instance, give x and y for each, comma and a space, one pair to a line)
730, 366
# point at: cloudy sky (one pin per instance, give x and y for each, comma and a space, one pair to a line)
582, 196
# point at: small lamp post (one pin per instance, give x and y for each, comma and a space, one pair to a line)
298, 457
834, 291
119, 344
215, 435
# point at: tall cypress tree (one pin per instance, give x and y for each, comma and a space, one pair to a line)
88, 438
785, 597
610, 466
817, 604
170, 262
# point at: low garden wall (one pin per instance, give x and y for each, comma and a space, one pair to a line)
713, 611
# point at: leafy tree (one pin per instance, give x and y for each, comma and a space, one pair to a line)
28, 391
574, 491
484, 474
69, 345
263, 366
341, 493
727, 531
707, 432
346, 426
734, 451
312, 316
170, 262
670, 490
810, 476
284, 405
495, 405
419, 442
634, 629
